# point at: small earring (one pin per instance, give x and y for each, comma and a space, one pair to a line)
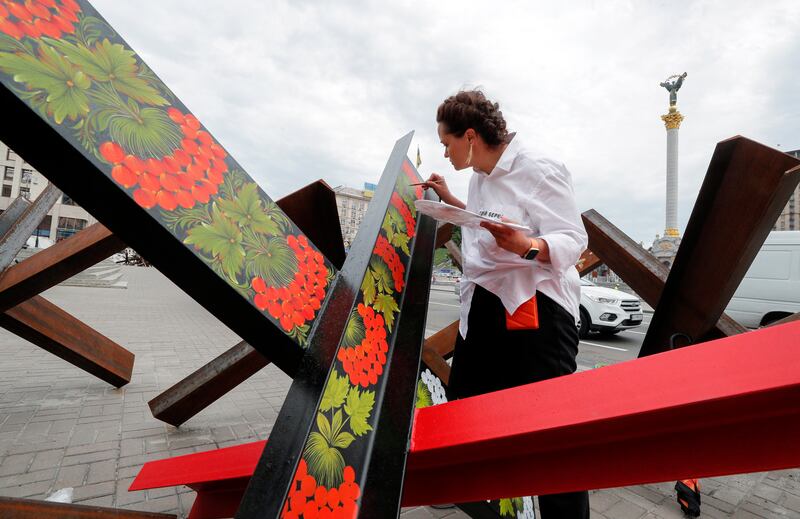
469, 155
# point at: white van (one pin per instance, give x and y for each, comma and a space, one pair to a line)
771, 288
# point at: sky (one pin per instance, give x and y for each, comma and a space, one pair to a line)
301, 90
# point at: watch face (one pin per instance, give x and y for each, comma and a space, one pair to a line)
531, 254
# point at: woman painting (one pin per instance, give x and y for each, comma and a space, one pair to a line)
501, 344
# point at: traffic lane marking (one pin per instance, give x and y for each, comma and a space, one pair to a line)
603, 346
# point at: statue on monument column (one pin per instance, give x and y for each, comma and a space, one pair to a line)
673, 84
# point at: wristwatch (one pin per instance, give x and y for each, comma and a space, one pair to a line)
531, 253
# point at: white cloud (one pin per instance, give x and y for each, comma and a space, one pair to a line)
298, 91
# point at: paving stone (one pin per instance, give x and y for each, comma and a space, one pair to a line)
623, 509
94, 490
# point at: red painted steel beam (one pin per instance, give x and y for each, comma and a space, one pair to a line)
51, 328
55, 264
619, 425
682, 413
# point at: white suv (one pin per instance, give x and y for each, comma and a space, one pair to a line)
606, 310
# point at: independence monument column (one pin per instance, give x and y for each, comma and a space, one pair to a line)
666, 247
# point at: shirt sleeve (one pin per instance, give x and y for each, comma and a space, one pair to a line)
552, 205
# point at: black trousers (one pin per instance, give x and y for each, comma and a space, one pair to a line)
492, 358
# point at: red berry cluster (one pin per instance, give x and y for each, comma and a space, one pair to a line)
35, 18
296, 303
309, 501
364, 363
385, 250
401, 206
188, 176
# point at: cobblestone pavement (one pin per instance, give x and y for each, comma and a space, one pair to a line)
61, 427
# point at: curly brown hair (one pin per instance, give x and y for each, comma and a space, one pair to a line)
470, 109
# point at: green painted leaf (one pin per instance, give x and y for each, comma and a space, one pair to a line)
401, 240
65, 84
368, 287
111, 63
246, 210
90, 29
343, 440
148, 132
354, 331
222, 239
385, 304
358, 408
424, 398
272, 259
325, 462
324, 427
507, 508
335, 392
382, 276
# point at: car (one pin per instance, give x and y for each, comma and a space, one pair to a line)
770, 289
606, 310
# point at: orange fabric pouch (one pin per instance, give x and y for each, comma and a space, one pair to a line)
526, 316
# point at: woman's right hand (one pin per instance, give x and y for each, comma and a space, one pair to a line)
439, 185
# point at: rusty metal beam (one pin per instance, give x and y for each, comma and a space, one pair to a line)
455, 253
14, 508
443, 234
746, 187
437, 347
587, 262
637, 267
55, 264
46, 325
313, 209
206, 385
19, 232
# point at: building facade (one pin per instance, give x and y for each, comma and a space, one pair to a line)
352, 206
789, 220
20, 179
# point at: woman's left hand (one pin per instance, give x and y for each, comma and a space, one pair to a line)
512, 240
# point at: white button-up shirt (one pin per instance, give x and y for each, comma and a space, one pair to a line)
535, 191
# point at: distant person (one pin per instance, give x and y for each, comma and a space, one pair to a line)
504, 268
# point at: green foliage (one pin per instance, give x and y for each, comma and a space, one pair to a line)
358, 407
400, 240
510, 506
335, 392
222, 239
270, 258
64, 84
325, 462
354, 331
386, 305
424, 398
246, 210
90, 29
110, 63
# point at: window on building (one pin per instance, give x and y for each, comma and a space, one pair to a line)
9, 173
25, 192
44, 227
6, 190
10, 155
27, 174
66, 200
68, 226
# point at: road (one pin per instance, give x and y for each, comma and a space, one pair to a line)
596, 350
